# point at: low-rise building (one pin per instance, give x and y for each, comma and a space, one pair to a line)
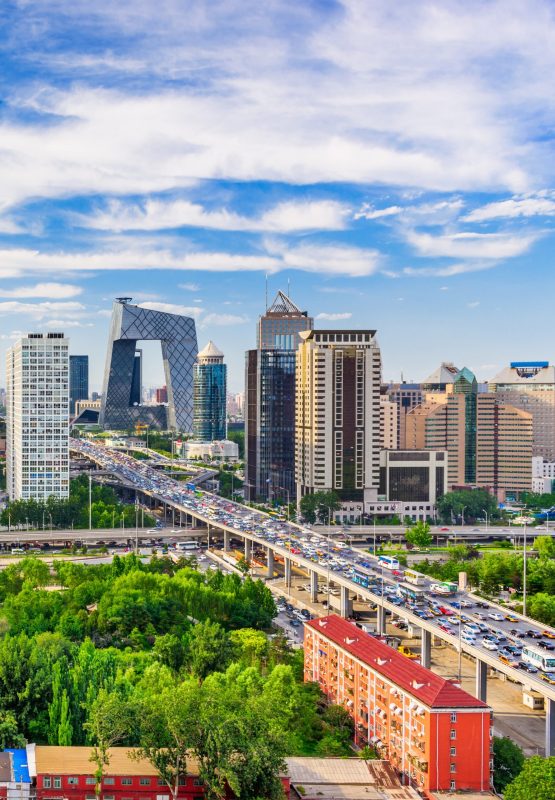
224, 450
345, 779
435, 734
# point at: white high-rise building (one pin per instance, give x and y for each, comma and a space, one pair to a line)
37, 417
337, 419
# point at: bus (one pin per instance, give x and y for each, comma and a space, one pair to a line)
445, 588
539, 658
410, 592
187, 545
362, 578
417, 578
388, 562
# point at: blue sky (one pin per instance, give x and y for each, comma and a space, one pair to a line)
393, 162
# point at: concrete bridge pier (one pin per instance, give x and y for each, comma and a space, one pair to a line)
270, 563
426, 649
549, 727
248, 549
481, 680
345, 603
380, 620
313, 586
287, 565
227, 545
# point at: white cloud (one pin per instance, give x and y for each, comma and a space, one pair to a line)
41, 310
330, 259
152, 215
474, 304
173, 308
67, 323
52, 290
189, 287
334, 317
223, 319
470, 245
367, 211
449, 270
511, 209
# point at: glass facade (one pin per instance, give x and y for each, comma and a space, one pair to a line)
209, 398
465, 383
78, 380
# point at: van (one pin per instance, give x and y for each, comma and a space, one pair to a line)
17, 551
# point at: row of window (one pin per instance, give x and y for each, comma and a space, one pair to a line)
55, 782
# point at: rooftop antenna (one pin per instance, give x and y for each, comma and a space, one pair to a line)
266, 306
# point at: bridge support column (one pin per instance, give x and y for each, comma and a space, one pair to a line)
270, 563
380, 620
287, 565
345, 604
426, 649
313, 587
194, 522
481, 680
226, 542
549, 727
248, 549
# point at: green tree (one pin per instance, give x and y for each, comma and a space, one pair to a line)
110, 721
508, 760
536, 780
9, 734
308, 506
419, 535
208, 649
544, 546
472, 503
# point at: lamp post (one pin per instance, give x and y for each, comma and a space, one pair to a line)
136, 524
486, 514
90, 501
524, 573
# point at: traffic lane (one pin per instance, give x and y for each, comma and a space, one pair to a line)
294, 632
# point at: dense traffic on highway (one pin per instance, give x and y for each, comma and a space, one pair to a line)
515, 641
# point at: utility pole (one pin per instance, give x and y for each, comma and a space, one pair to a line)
136, 524
524, 575
90, 501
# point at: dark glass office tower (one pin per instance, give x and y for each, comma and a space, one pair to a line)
136, 395
270, 402
465, 384
209, 395
78, 380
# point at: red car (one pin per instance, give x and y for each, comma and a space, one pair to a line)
399, 574
446, 611
444, 529
295, 551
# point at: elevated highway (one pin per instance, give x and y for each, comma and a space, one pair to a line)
291, 543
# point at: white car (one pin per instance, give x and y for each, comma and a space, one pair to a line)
496, 616
489, 645
467, 638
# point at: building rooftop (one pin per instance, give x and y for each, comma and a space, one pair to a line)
445, 373
419, 682
210, 351
526, 373
346, 779
78, 761
283, 305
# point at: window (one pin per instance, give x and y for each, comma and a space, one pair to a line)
161, 782
197, 782
57, 783
46, 783
453, 734
108, 797
454, 716
73, 781
453, 767
126, 781
453, 751
453, 786
145, 781
90, 797
90, 780
109, 781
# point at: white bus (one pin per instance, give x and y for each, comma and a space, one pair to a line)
187, 545
414, 577
538, 657
388, 562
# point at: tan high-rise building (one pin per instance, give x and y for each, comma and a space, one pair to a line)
489, 443
530, 386
388, 424
337, 419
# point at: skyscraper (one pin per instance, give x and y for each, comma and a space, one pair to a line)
270, 402
489, 443
337, 420
37, 411
530, 386
209, 395
78, 381
136, 395
178, 339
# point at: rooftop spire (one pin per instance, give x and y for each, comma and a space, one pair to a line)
283, 305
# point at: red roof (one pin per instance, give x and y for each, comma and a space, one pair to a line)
421, 683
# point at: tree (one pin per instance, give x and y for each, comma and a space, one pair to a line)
9, 734
243, 565
470, 503
544, 546
111, 720
319, 506
508, 760
536, 780
208, 649
419, 535
308, 506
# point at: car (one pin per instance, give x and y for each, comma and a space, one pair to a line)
482, 605
496, 616
447, 612
547, 645
548, 677
527, 667
489, 645
466, 604
548, 634
508, 660
517, 634
533, 634
295, 623
511, 618
479, 616
444, 530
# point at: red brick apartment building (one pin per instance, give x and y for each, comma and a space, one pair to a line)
429, 729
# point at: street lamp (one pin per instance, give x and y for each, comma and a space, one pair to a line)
524, 573
486, 514
90, 501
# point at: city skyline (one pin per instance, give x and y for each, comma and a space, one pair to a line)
404, 188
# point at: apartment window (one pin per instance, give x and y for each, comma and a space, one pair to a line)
144, 781
126, 781
453, 751
453, 786
453, 734
73, 781
197, 782
57, 783
454, 716
108, 797
109, 781
90, 797
90, 780
46, 783
453, 767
